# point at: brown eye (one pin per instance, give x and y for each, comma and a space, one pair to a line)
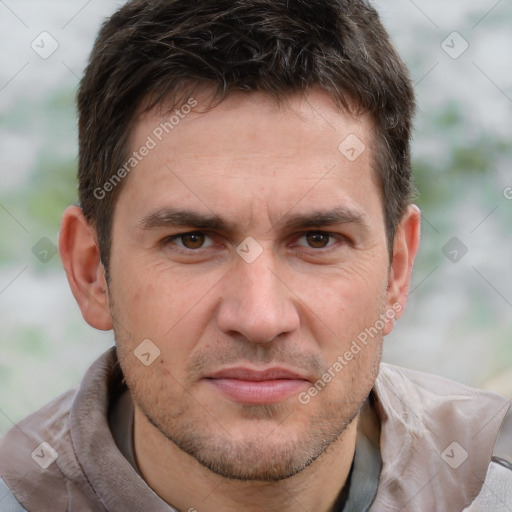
317, 240
193, 240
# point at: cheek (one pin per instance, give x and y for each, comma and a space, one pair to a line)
344, 314
158, 301
345, 299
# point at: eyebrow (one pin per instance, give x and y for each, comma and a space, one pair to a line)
174, 218
171, 218
319, 218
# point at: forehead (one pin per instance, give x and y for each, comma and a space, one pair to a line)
256, 117
252, 152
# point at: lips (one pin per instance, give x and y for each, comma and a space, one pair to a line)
248, 386
257, 375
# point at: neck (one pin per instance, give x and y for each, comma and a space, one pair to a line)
188, 486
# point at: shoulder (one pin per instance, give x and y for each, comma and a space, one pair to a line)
32, 451
431, 425
430, 382
496, 493
50, 421
403, 387
8, 503
39, 459
429, 404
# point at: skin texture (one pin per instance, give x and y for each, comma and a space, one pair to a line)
264, 170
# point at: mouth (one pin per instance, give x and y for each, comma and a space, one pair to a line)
257, 387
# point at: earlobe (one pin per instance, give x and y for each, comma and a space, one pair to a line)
405, 248
85, 272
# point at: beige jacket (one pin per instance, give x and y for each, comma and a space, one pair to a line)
437, 440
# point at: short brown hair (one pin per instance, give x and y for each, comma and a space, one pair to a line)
163, 49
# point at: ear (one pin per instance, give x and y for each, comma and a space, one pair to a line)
405, 248
86, 275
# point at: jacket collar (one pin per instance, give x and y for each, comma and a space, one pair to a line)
113, 479
437, 438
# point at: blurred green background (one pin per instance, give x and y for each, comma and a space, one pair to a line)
459, 318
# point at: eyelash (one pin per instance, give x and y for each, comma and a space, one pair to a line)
173, 238
333, 236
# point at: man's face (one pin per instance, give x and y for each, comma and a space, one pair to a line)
290, 301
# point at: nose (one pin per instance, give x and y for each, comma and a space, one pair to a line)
257, 303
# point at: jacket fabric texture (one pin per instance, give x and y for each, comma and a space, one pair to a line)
437, 442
